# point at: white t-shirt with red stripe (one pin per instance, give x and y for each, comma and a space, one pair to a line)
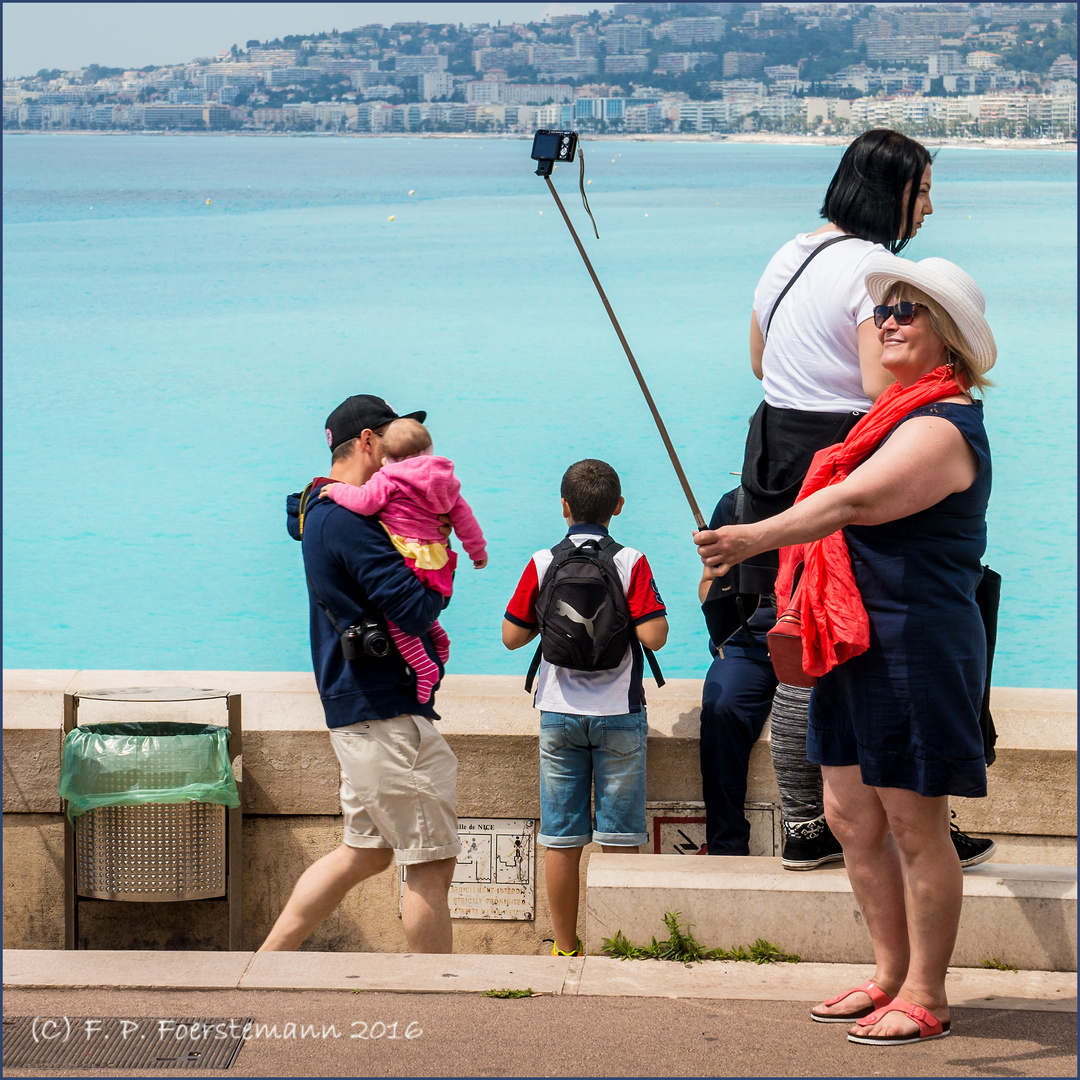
591, 693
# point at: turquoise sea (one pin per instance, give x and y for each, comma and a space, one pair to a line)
181, 313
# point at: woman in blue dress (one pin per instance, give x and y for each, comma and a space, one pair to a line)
894, 521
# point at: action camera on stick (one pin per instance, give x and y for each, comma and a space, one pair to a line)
548, 148
551, 146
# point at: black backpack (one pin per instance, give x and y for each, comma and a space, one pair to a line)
582, 611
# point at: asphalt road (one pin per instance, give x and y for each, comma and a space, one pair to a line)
470, 1035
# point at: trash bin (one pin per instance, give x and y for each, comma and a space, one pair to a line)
147, 802
153, 804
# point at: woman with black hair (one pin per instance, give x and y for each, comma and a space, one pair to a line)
815, 348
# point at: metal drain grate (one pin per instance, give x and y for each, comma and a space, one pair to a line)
123, 1042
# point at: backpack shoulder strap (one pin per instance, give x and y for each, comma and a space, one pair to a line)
612, 547
657, 673
609, 545
559, 553
534, 667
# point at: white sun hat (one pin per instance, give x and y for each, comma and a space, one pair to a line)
950, 286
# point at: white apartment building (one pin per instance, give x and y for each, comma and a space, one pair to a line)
895, 50
888, 112
944, 63
702, 116
690, 30
482, 93
1057, 113
781, 108
436, 84
1003, 107
626, 64
419, 65
624, 37
679, 62
983, 61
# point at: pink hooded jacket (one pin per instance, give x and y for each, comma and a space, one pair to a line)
409, 496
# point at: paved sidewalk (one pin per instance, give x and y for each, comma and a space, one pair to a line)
595, 1016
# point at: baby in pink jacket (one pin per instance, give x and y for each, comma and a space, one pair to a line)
409, 493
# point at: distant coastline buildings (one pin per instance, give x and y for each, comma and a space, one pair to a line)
995, 69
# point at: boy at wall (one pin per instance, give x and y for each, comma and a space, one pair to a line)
592, 723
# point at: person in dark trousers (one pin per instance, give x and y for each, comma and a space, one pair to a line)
398, 775
735, 702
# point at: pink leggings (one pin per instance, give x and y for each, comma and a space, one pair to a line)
415, 655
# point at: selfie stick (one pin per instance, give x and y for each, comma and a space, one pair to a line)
633, 363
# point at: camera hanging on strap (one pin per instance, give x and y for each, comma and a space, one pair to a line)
365, 638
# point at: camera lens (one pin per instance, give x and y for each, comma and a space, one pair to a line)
378, 644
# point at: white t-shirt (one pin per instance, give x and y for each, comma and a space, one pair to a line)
811, 359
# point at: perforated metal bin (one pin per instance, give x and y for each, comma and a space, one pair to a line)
151, 853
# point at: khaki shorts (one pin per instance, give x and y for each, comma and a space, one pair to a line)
398, 788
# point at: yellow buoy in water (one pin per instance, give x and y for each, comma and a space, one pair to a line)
391, 217
207, 202
412, 191
587, 182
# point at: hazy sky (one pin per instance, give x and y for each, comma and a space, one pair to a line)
134, 35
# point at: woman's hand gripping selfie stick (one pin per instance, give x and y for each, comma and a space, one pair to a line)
695, 509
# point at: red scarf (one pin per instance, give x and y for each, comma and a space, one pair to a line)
834, 622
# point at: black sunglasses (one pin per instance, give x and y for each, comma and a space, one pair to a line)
903, 313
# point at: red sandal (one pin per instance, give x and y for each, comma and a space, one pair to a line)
878, 996
930, 1027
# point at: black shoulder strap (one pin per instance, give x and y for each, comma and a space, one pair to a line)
651, 657
305, 496
795, 277
612, 548
609, 545
534, 667
558, 552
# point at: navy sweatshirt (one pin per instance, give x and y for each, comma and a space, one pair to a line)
356, 570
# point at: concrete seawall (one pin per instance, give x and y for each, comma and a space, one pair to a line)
292, 813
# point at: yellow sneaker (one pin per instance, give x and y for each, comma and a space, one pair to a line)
579, 950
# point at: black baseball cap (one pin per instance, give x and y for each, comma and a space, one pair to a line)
358, 413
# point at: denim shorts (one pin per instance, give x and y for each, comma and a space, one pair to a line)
577, 750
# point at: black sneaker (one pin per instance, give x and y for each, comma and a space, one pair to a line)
808, 844
971, 849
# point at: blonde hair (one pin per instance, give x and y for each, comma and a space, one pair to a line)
967, 372
405, 438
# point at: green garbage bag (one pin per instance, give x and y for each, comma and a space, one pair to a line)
129, 764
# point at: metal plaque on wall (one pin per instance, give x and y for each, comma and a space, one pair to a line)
495, 874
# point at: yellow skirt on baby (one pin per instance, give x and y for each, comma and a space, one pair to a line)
425, 556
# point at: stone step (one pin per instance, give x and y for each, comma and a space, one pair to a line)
1021, 915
